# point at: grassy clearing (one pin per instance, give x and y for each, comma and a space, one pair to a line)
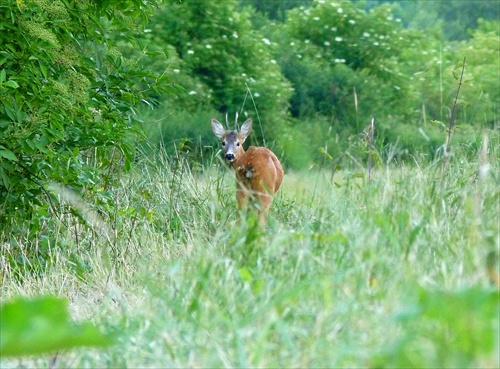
327, 284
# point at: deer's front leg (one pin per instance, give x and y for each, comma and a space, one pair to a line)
241, 195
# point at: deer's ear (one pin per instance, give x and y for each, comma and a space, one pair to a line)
217, 128
246, 128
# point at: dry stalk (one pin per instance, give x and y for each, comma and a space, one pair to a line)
371, 131
451, 123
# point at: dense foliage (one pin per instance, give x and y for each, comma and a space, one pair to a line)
224, 64
68, 99
455, 19
345, 61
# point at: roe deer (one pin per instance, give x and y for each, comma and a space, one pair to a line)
258, 171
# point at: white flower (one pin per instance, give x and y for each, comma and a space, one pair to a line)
338, 39
256, 94
326, 43
190, 52
273, 61
352, 21
208, 46
366, 34
235, 35
339, 10
316, 18
192, 92
266, 41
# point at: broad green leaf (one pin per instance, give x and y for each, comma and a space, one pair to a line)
7, 154
5, 178
42, 324
11, 84
245, 274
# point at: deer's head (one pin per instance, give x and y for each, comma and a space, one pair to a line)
232, 140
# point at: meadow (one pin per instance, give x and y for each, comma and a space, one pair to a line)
395, 271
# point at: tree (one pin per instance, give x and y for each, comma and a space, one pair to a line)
68, 99
227, 63
276, 9
456, 18
344, 62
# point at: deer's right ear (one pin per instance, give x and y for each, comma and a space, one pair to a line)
217, 128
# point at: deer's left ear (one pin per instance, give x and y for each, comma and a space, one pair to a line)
246, 128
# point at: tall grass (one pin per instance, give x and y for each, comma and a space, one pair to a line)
189, 282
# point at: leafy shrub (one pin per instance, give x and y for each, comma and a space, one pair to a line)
68, 100
225, 64
181, 132
482, 93
342, 61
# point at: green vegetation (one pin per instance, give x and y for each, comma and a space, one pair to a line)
68, 99
382, 273
317, 72
114, 203
40, 325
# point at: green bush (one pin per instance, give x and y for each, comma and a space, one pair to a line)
181, 132
342, 62
68, 99
221, 61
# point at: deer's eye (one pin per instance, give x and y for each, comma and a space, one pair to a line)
237, 144
223, 143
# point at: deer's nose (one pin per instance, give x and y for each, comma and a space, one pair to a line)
229, 157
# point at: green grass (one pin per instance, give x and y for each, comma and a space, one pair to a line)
348, 273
